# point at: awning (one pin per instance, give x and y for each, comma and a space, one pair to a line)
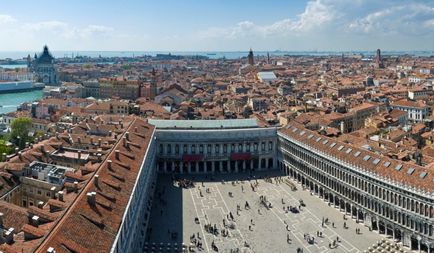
192, 158
241, 156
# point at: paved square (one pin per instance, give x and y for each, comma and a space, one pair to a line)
175, 209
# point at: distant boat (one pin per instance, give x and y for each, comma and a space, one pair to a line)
211, 54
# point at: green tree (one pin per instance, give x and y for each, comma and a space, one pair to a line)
20, 131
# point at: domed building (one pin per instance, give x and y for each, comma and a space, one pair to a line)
43, 67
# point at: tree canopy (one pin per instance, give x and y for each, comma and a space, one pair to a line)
20, 131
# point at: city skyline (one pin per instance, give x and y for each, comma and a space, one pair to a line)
323, 25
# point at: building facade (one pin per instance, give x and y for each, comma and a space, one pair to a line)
215, 148
350, 180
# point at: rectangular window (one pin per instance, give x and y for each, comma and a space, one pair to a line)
263, 146
248, 147
270, 145
185, 149
217, 148
240, 147
208, 149
177, 149
233, 148
193, 149
225, 148
255, 146
201, 149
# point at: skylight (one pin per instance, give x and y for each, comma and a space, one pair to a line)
348, 150
423, 174
318, 139
367, 157
325, 142
376, 161
340, 147
410, 171
333, 144
357, 154
398, 167
386, 164
302, 133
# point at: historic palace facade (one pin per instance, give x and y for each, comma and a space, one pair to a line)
390, 196
214, 146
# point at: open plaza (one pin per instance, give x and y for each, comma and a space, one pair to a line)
245, 213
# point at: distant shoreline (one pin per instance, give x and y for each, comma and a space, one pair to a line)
20, 55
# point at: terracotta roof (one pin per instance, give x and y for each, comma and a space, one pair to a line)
417, 178
94, 227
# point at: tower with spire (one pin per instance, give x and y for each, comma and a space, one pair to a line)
250, 57
378, 60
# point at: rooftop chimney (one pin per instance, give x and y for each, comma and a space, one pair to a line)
51, 250
99, 142
96, 180
79, 154
60, 194
127, 135
79, 140
135, 129
117, 154
35, 221
40, 204
1, 220
75, 186
124, 141
9, 235
91, 198
109, 164
53, 192
99, 156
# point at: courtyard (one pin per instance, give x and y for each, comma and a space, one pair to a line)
264, 213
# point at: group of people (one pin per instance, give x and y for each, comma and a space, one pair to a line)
196, 240
185, 183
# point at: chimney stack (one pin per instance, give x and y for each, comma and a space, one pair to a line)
117, 154
35, 221
99, 156
1, 220
124, 141
79, 140
91, 198
79, 154
51, 250
9, 236
75, 186
109, 164
127, 135
40, 204
96, 180
53, 192
135, 129
60, 194
99, 142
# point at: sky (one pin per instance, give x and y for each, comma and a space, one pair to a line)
216, 25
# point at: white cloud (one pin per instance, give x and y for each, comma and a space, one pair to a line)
6, 19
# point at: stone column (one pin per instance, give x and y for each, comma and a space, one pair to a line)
165, 167
196, 166
406, 239
220, 166
189, 167
236, 166
213, 167
205, 165
181, 167
244, 165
